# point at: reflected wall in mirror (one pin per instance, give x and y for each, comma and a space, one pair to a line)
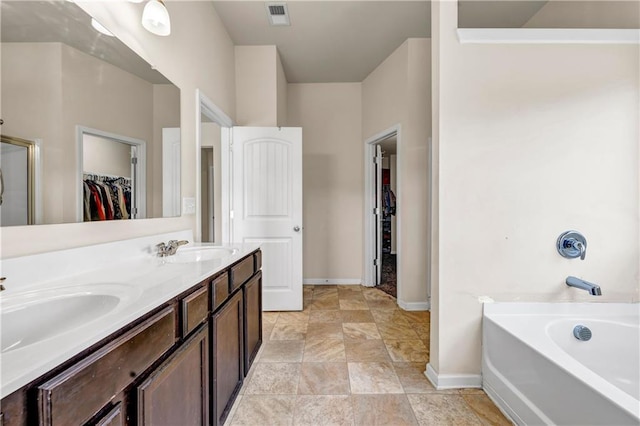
613, 14
59, 76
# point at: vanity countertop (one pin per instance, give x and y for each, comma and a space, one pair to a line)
139, 285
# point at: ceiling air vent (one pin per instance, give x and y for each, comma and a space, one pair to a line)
278, 14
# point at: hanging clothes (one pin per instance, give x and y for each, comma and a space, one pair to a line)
106, 197
388, 201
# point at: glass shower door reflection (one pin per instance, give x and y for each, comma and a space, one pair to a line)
16, 185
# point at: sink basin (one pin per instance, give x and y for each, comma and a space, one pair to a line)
31, 317
199, 254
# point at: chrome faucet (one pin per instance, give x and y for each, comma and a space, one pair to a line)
170, 248
593, 289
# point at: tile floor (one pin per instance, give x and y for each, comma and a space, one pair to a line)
352, 357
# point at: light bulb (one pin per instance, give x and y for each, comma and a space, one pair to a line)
155, 18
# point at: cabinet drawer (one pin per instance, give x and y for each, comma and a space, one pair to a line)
195, 308
219, 290
257, 260
241, 273
82, 390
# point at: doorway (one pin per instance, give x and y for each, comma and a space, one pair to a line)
382, 201
210, 189
212, 126
387, 281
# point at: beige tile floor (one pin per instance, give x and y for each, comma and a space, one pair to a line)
351, 357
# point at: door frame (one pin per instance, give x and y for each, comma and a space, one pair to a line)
140, 181
205, 106
369, 204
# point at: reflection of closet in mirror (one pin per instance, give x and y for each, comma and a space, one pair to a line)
113, 170
17, 181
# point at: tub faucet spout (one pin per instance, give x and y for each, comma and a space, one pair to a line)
593, 289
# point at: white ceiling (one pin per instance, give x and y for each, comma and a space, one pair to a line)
344, 41
329, 41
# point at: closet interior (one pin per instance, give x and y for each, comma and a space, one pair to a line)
388, 280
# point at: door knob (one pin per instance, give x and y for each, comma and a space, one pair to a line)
296, 228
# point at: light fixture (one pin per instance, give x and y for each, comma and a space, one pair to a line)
100, 28
155, 18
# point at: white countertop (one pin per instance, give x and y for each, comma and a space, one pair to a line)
142, 282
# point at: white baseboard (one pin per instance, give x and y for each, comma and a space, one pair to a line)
332, 281
452, 381
414, 306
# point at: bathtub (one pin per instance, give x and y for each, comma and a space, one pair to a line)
537, 372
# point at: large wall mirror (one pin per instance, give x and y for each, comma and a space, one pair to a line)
102, 126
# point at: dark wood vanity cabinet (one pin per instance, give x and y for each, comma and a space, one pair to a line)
107, 372
177, 392
181, 364
228, 355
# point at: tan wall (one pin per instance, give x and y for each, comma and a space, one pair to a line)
257, 82
281, 92
333, 187
32, 99
105, 156
399, 92
547, 139
206, 161
210, 69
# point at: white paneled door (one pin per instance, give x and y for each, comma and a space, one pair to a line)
170, 171
266, 205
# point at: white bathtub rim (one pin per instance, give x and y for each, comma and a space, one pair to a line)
539, 342
582, 373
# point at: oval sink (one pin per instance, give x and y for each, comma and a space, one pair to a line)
31, 317
200, 254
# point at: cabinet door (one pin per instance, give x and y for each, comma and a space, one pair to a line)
253, 320
228, 356
177, 392
14, 409
112, 418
